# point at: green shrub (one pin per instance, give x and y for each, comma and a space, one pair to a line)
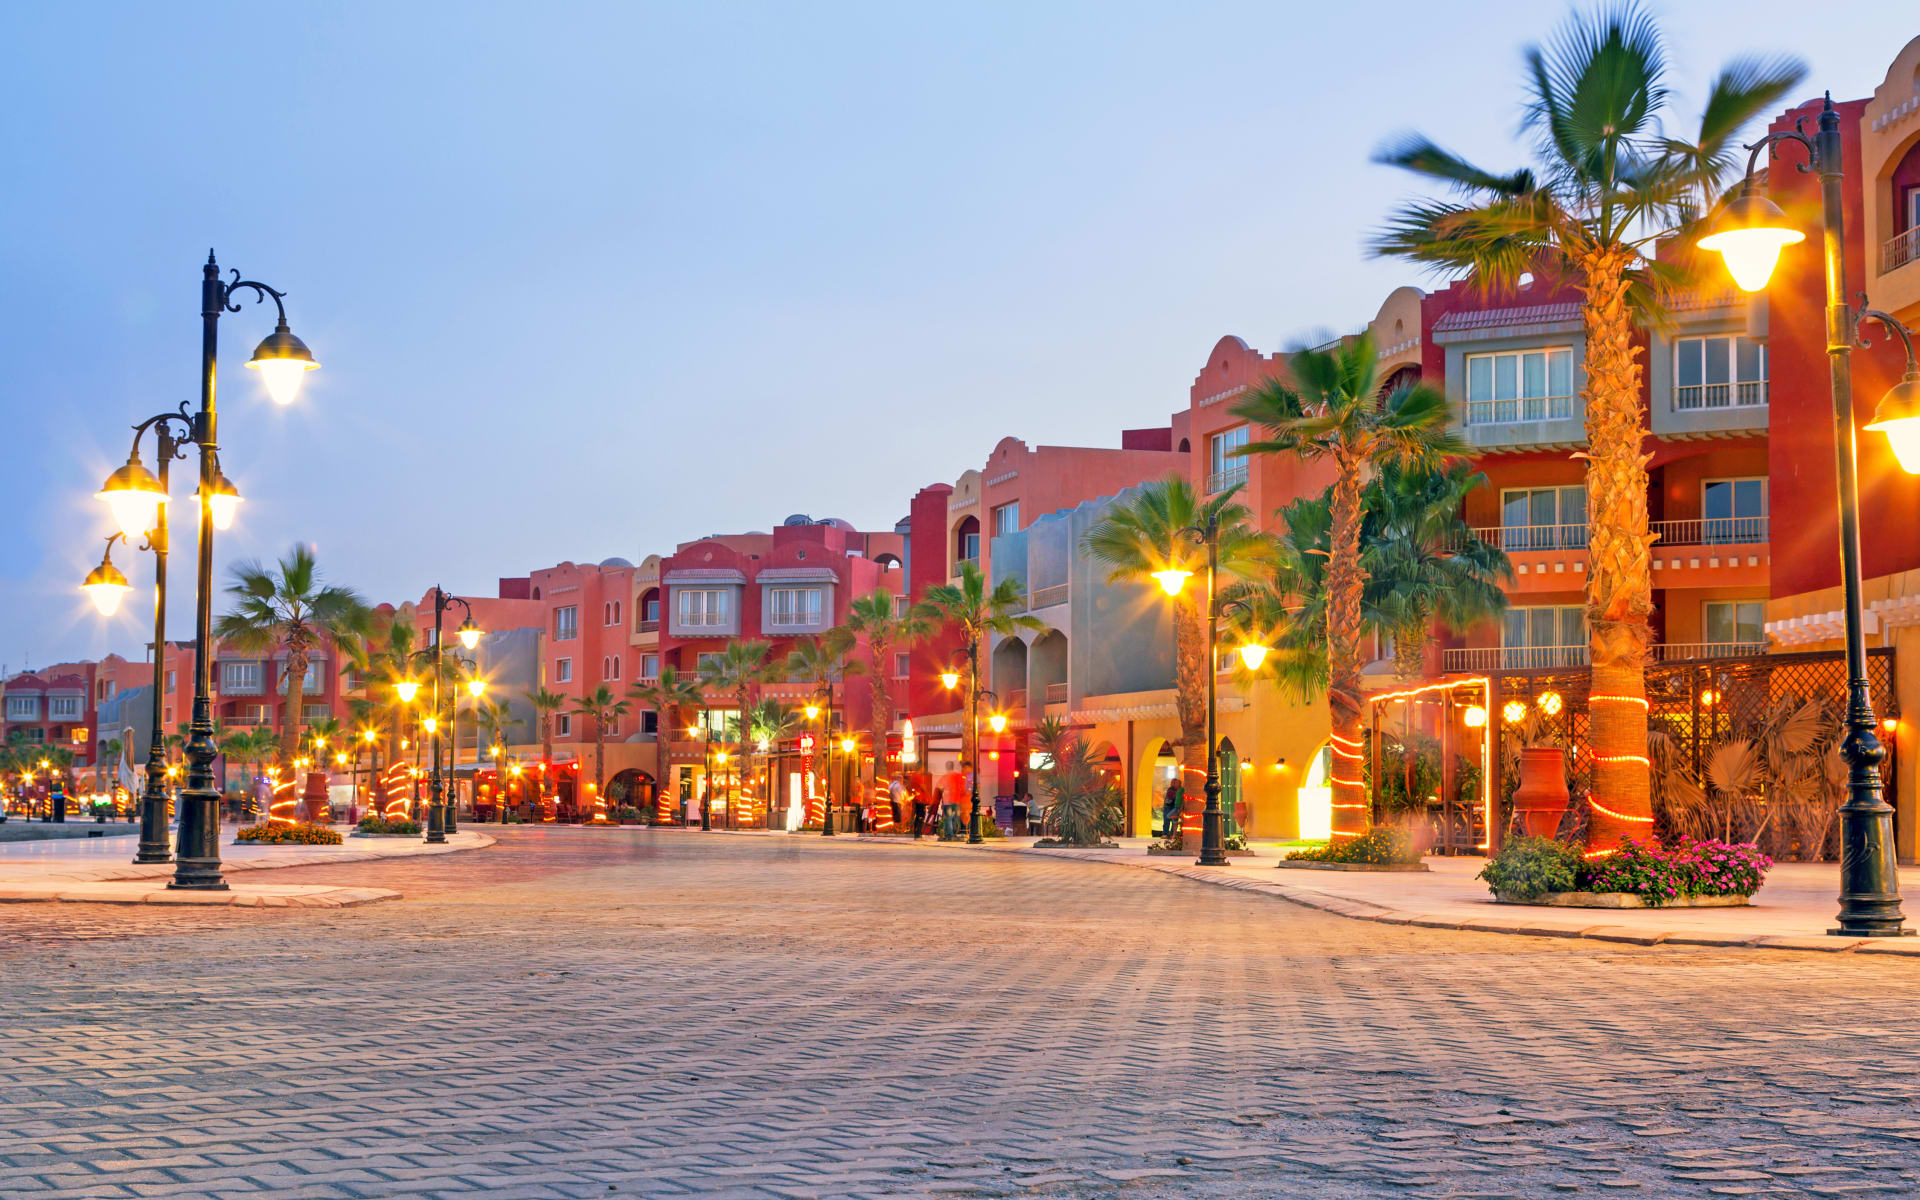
1383, 845
1528, 867
283, 833
373, 823
626, 812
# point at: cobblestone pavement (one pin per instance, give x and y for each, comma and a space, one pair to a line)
584, 1013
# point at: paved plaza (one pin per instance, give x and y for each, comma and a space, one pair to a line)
580, 1012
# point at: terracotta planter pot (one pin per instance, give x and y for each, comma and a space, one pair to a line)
1541, 799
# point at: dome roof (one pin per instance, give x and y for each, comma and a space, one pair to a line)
615, 562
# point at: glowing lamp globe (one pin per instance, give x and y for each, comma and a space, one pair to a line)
430, 724
1550, 703
477, 688
1172, 580
813, 711
1514, 711
222, 502
846, 745
997, 722
283, 361
406, 689
720, 756
1253, 654
106, 587
469, 635
1898, 416
1474, 717
1749, 235
135, 497
367, 736
950, 679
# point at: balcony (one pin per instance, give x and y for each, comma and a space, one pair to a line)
1220, 481
1016, 699
1558, 658
1705, 397
649, 627
1897, 252
1519, 411
1047, 597
1710, 531
1056, 693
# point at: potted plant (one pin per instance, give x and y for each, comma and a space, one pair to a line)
1541, 800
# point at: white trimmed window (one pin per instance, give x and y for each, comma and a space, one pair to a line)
1006, 518
23, 708
563, 724
1544, 636
1724, 371
698, 607
610, 667
793, 606
1552, 518
1224, 468
240, 677
1733, 510
65, 708
649, 666
563, 670
1734, 622
1520, 385
566, 623
902, 665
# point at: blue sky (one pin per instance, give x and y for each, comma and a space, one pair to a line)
587, 280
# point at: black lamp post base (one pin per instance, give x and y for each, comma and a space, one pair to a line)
154, 854
1877, 931
1212, 838
198, 875
154, 847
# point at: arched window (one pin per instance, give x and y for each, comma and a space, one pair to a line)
966, 540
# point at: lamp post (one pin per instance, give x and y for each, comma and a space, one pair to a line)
135, 496
1172, 580
950, 679
469, 634
476, 687
1749, 234
826, 735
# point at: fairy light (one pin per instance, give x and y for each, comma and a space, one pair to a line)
1642, 759
1550, 703
1618, 816
1607, 699
1708, 697
1514, 711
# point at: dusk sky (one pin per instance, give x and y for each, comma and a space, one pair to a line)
590, 280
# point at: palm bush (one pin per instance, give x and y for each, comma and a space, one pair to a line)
1083, 806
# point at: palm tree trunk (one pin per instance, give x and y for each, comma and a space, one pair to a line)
1619, 585
1190, 693
1346, 580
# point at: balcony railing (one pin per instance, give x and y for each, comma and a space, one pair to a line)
1513, 658
1047, 596
1056, 693
1220, 481
1534, 537
649, 627
1899, 251
1697, 397
1016, 699
1514, 412
1680, 651
1549, 658
1711, 531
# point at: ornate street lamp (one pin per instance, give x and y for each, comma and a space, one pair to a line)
469, 634
136, 495
1749, 234
1173, 580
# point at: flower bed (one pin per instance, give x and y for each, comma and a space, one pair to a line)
375, 826
1382, 848
1637, 875
283, 833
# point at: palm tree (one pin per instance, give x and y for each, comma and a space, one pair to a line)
1424, 562
977, 613
822, 663
495, 718
886, 629
546, 704
666, 696
738, 670
109, 749
603, 708
1332, 409
288, 607
1609, 183
1147, 534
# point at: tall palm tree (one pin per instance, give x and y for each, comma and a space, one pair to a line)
823, 663
887, 630
1608, 183
603, 708
1331, 408
977, 613
738, 670
1146, 533
666, 696
287, 606
546, 704
109, 749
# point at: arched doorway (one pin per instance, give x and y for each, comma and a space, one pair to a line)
966, 541
1159, 765
631, 788
1316, 796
